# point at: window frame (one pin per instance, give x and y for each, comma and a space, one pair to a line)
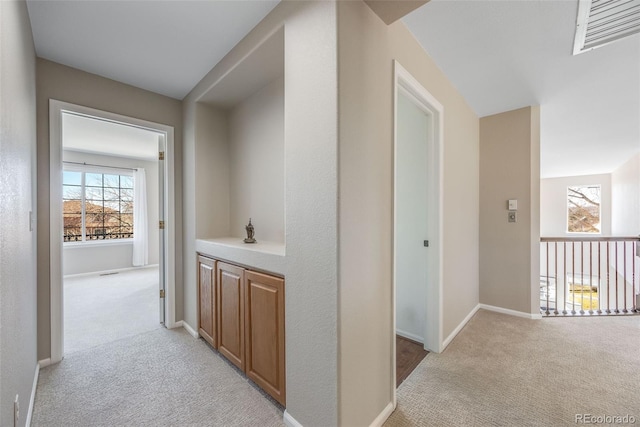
84, 169
588, 233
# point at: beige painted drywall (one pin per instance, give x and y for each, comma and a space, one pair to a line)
553, 203
367, 48
256, 158
18, 344
625, 194
55, 81
310, 165
86, 258
509, 169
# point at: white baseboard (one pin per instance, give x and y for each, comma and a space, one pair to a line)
410, 336
32, 399
462, 324
44, 363
511, 312
386, 413
115, 270
289, 421
187, 328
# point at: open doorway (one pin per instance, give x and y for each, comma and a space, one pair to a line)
112, 227
111, 245
417, 277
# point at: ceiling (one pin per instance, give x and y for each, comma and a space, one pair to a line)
95, 136
501, 55
162, 46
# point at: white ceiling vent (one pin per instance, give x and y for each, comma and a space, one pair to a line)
601, 22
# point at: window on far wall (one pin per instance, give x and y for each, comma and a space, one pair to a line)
583, 209
97, 206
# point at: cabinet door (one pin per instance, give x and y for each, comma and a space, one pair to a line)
231, 313
207, 298
264, 320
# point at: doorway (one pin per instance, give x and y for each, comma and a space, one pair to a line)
111, 245
105, 180
417, 252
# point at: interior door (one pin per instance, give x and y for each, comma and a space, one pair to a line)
162, 229
411, 232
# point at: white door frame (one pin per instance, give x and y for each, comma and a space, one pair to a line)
406, 84
56, 109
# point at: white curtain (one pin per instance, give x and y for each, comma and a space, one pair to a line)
140, 227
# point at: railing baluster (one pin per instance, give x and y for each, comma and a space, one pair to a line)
590, 277
624, 276
608, 291
599, 277
633, 276
547, 311
555, 307
573, 278
564, 280
581, 278
617, 294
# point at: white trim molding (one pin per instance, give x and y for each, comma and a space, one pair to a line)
289, 421
386, 413
32, 399
115, 270
405, 83
410, 336
44, 362
534, 316
186, 327
462, 324
56, 109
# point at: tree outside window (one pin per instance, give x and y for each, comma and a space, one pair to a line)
97, 206
583, 209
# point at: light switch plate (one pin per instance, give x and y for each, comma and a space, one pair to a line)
513, 205
513, 216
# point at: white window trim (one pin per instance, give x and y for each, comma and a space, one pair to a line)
104, 170
584, 233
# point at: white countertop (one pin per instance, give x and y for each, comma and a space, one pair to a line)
263, 255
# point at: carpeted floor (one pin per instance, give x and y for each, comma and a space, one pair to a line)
507, 371
409, 354
159, 378
499, 371
102, 309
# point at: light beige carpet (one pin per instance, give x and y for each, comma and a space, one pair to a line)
508, 371
101, 309
160, 378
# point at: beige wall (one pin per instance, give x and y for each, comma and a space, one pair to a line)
510, 169
55, 81
625, 189
310, 194
367, 48
256, 145
18, 347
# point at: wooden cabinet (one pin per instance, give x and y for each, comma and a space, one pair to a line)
230, 311
207, 298
264, 333
242, 315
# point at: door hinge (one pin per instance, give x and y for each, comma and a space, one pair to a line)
161, 155
161, 225
161, 293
